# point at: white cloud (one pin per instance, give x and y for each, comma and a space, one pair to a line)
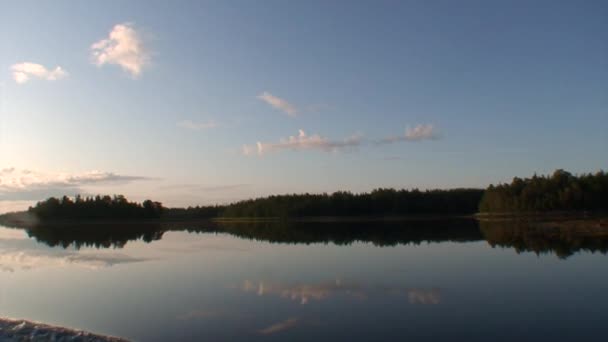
23, 72
18, 184
197, 126
302, 142
279, 103
123, 47
419, 132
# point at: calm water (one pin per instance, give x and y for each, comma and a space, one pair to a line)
421, 281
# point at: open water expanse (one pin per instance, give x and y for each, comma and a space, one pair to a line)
427, 280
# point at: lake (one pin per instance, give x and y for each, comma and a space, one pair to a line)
415, 280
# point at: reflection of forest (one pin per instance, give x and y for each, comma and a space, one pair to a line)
562, 238
94, 235
345, 233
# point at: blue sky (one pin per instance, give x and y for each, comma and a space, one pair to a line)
172, 105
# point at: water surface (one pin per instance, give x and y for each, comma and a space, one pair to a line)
277, 281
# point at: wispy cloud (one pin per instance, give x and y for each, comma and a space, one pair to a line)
302, 142
124, 47
279, 103
98, 177
197, 126
204, 188
280, 326
18, 184
23, 72
419, 132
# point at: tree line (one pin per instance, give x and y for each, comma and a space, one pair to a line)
380, 202
97, 207
561, 191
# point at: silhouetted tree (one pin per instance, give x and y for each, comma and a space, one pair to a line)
558, 192
106, 207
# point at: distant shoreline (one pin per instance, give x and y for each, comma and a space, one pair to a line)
17, 221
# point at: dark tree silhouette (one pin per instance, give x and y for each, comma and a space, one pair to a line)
98, 207
380, 202
561, 191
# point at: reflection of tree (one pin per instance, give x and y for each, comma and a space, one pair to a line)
116, 235
562, 238
94, 235
383, 233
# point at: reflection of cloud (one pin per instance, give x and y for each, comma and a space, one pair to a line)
32, 185
302, 142
13, 234
423, 296
197, 314
302, 293
305, 293
280, 326
6, 269
20, 257
199, 247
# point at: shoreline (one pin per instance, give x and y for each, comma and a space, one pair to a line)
26, 330
533, 216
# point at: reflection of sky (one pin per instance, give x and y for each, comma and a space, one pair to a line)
13, 234
26, 260
219, 287
18, 252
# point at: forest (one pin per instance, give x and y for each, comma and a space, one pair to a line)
380, 202
98, 207
561, 191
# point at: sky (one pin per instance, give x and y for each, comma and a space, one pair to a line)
202, 102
